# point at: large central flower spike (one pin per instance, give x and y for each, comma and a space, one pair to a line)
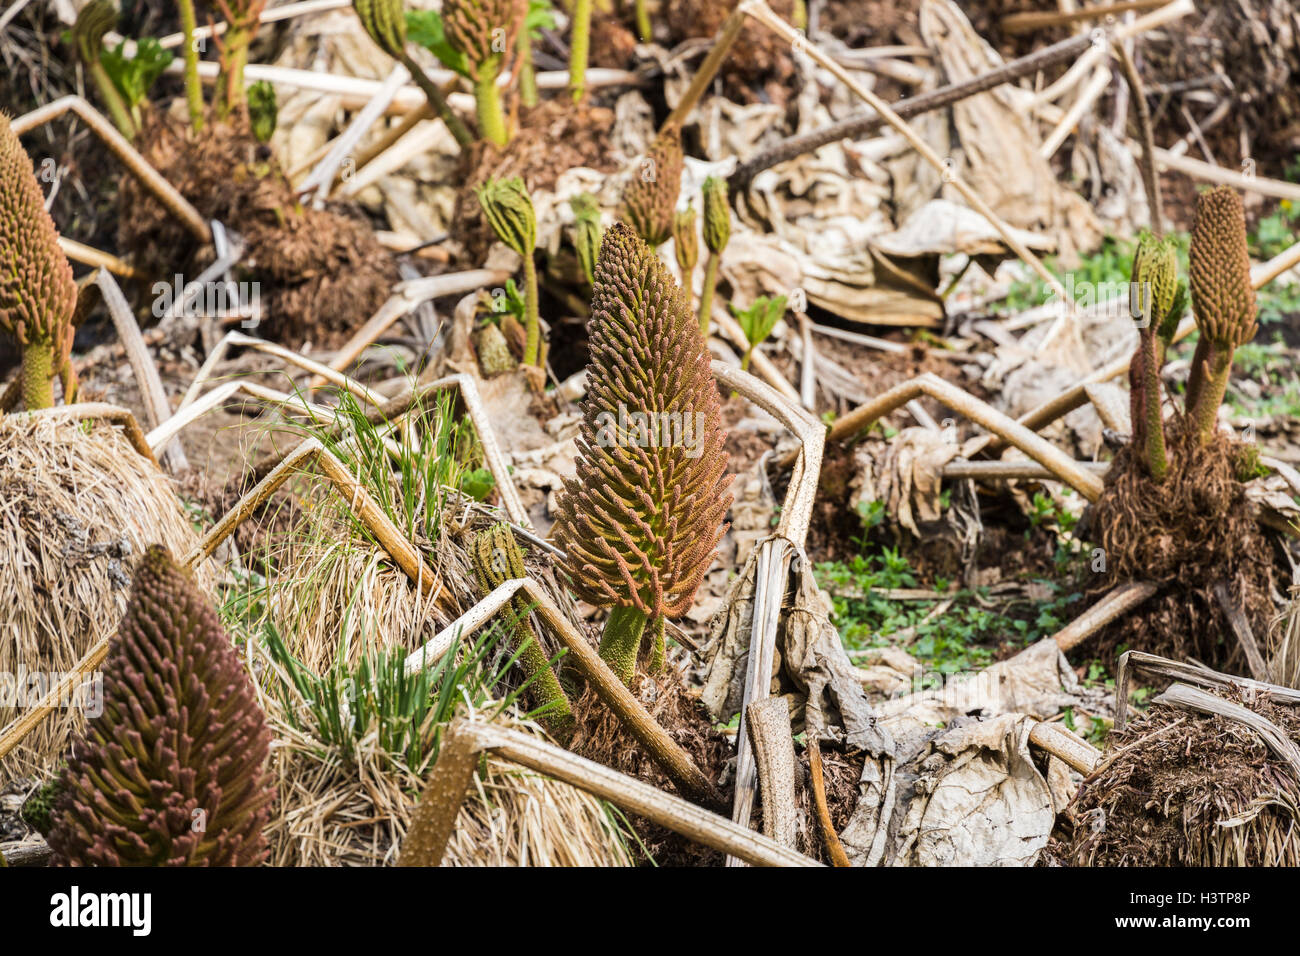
37, 292
641, 519
1223, 301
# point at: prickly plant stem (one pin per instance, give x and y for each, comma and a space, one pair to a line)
1157, 462
709, 68
38, 375
706, 294
550, 697
458, 129
1196, 377
230, 89
659, 649
527, 74
579, 47
532, 322
621, 640
643, 21
113, 100
487, 99
1205, 413
193, 88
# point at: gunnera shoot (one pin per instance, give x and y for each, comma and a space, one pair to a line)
641, 518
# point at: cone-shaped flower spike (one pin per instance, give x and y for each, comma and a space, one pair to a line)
485, 32
640, 520
171, 772
1223, 301
650, 198
37, 294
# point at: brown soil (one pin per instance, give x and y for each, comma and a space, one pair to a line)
552, 137
600, 736
1159, 801
1185, 534
321, 271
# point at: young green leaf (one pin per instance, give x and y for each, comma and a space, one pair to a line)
425, 28
133, 76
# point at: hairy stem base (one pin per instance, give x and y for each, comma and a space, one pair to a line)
38, 375
621, 641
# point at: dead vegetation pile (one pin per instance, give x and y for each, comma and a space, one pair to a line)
602, 737
760, 68
333, 811
1187, 534
321, 271
1186, 789
80, 507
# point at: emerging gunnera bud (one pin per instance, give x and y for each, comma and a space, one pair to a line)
650, 199
641, 518
1155, 277
263, 113
95, 19
384, 22
586, 232
37, 292
483, 31
171, 772
1223, 298
686, 241
717, 215
510, 213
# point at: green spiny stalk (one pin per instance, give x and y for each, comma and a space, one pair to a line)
37, 292
641, 518
243, 17
485, 32
579, 49
717, 232
1223, 301
510, 213
1154, 284
527, 73
385, 23
620, 642
643, 22
497, 559
95, 19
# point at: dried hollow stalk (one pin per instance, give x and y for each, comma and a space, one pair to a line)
435, 817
